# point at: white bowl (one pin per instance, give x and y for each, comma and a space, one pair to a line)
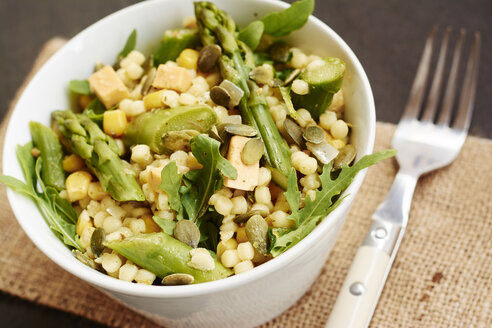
245, 300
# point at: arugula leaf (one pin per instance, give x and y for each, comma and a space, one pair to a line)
166, 225
57, 212
292, 195
95, 111
80, 87
314, 211
130, 44
201, 184
251, 34
171, 183
285, 92
286, 21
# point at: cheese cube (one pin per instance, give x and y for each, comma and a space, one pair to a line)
108, 87
247, 175
175, 78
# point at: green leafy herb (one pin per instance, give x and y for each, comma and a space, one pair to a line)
171, 183
173, 42
285, 92
262, 58
130, 45
95, 111
251, 34
201, 184
57, 212
286, 21
314, 211
166, 225
80, 87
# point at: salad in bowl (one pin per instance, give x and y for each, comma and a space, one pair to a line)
210, 156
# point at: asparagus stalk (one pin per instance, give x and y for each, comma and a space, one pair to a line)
101, 155
51, 154
162, 254
217, 27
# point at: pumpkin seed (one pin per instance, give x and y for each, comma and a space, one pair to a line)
232, 119
149, 79
345, 156
250, 196
240, 130
220, 96
85, 259
262, 74
252, 151
324, 152
245, 217
275, 83
208, 57
292, 76
294, 131
280, 52
214, 133
234, 91
187, 232
179, 140
177, 279
314, 134
97, 241
257, 233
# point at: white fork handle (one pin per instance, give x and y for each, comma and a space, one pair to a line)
360, 291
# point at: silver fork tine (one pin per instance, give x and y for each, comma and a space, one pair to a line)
417, 92
430, 108
467, 98
449, 96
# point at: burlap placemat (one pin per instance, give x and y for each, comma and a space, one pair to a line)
442, 276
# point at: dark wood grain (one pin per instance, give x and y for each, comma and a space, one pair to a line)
387, 36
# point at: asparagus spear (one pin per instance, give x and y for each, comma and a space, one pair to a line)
217, 27
101, 154
162, 254
51, 153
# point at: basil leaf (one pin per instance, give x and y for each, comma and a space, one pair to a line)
251, 34
284, 22
130, 45
80, 87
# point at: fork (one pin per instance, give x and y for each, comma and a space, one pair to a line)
423, 145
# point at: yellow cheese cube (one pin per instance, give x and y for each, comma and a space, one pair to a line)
155, 178
114, 122
108, 87
247, 175
175, 78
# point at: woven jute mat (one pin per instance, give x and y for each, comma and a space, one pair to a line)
442, 276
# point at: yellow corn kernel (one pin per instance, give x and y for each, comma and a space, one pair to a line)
83, 222
73, 163
188, 59
150, 225
153, 100
337, 143
114, 122
78, 185
84, 100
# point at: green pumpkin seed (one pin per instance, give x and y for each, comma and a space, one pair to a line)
314, 134
85, 259
252, 151
280, 52
257, 233
234, 91
250, 196
245, 217
208, 57
292, 76
345, 156
220, 96
262, 74
179, 140
177, 279
275, 83
149, 79
214, 133
294, 131
97, 241
187, 232
324, 152
240, 130
232, 119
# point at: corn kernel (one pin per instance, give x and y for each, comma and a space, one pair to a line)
188, 59
77, 185
96, 191
73, 163
114, 122
154, 99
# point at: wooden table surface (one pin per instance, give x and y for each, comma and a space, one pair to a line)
386, 35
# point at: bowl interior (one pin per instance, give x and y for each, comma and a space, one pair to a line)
48, 91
